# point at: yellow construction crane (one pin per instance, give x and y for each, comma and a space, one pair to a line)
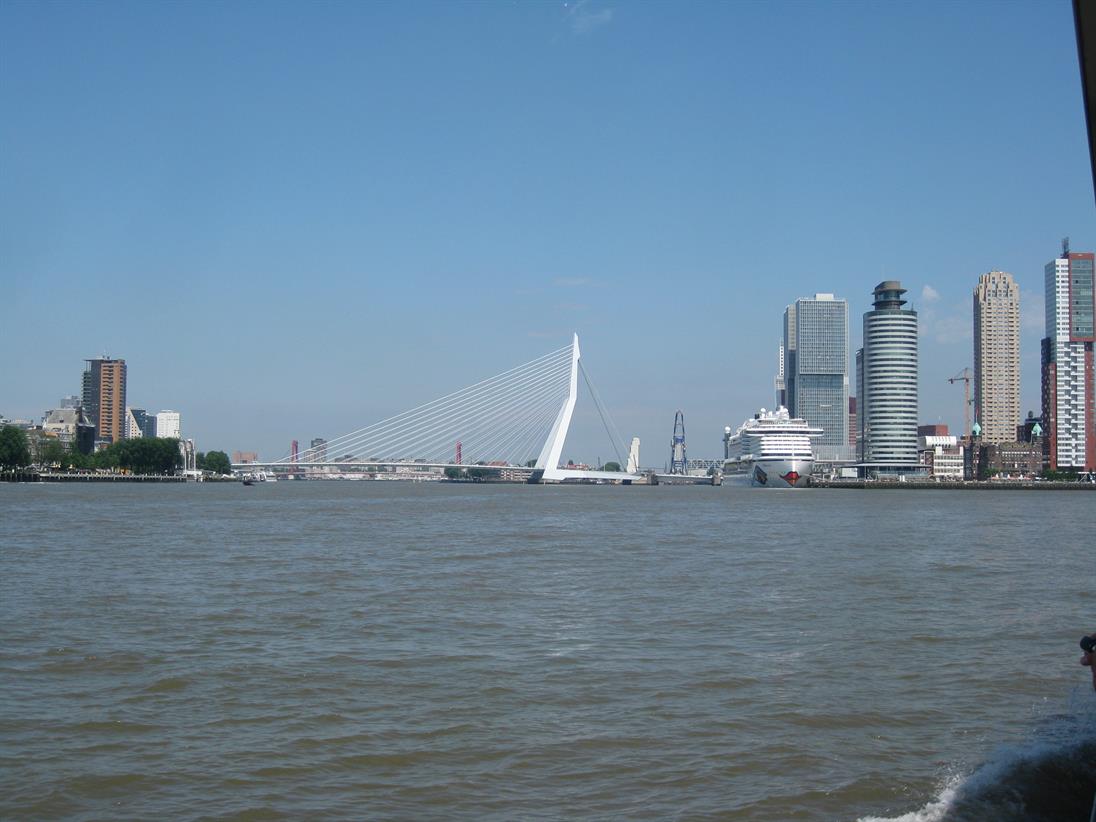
965, 377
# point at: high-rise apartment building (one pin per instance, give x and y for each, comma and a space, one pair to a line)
104, 398
168, 424
1069, 407
997, 356
818, 383
317, 450
887, 385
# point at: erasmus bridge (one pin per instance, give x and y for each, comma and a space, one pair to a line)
516, 420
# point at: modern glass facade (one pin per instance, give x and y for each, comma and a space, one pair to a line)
1080, 300
1069, 374
789, 359
821, 376
888, 397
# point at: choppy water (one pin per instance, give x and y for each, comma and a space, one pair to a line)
402, 651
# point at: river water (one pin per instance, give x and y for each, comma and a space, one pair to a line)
384, 650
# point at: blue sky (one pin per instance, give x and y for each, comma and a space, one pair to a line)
292, 219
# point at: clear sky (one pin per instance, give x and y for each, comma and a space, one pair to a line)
293, 219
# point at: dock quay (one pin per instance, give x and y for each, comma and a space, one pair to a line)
972, 485
77, 476
684, 479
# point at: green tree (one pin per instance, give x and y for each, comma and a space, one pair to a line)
478, 474
146, 455
199, 461
611, 466
74, 459
51, 451
14, 450
531, 464
1059, 475
217, 462
452, 472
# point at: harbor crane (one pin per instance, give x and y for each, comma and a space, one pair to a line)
679, 464
965, 377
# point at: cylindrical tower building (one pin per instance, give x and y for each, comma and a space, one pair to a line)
888, 404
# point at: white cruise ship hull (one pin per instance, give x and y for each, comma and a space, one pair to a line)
786, 473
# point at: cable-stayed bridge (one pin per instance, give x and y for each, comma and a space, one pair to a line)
516, 421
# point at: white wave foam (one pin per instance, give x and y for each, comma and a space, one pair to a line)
1054, 734
932, 812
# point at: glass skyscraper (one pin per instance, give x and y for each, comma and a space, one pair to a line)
818, 386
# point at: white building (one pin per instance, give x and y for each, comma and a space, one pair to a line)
167, 424
1069, 404
942, 456
132, 427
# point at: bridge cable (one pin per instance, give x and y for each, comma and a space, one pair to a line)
602, 412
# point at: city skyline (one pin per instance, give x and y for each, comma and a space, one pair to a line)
332, 241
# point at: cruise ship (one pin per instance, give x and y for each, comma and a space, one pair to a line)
770, 450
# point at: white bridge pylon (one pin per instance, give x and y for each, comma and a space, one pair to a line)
499, 422
550, 455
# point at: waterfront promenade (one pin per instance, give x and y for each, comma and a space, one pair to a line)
969, 485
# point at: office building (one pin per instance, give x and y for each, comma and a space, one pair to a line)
788, 358
887, 385
852, 423
167, 424
997, 356
779, 384
1069, 406
820, 374
933, 430
859, 358
941, 454
1010, 460
104, 398
317, 450
139, 423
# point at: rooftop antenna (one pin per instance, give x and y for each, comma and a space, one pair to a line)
1065, 247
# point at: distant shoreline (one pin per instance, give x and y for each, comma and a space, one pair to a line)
847, 484
972, 485
35, 476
